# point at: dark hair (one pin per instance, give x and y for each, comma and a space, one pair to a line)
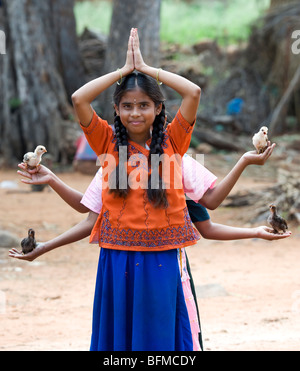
150, 87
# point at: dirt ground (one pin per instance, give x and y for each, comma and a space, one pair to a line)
248, 291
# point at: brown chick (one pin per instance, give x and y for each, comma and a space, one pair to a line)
276, 221
28, 244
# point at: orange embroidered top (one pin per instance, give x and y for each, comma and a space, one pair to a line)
134, 223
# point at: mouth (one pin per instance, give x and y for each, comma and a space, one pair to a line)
136, 123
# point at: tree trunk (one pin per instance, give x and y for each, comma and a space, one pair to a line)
127, 14
38, 74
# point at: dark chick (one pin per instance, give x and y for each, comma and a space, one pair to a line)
28, 244
276, 221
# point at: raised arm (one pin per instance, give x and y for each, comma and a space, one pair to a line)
84, 96
189, 91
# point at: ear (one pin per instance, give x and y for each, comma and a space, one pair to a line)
158, 109
117, 109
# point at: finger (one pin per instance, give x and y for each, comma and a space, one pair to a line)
22, 166
23, 173
15, 250
14, 254
130, 41
137, 36
282, 236
268, 229
27, 181
271, 147
267, 153
34, 171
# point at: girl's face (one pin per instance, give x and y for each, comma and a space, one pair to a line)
137, 113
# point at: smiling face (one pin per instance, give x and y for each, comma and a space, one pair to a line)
137, 112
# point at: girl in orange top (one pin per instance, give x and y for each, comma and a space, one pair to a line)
139, 302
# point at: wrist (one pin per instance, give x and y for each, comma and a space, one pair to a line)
258, 232
53, 180
124, 71
143, 68
47, 247
244, 162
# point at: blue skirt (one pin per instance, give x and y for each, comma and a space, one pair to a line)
139, 303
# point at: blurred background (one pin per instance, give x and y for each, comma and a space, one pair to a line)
245, 56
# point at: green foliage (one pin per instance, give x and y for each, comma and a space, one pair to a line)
15, 103
185, 22
95, 15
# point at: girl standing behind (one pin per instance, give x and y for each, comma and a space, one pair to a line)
139, 302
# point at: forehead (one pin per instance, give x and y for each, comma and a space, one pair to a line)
136, 95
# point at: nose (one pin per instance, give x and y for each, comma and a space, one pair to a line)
135, 111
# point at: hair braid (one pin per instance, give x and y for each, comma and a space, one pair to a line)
157, 196
122, 140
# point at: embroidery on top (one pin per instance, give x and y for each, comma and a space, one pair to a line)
169, 236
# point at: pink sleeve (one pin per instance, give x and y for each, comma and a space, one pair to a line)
196, 178
92, 199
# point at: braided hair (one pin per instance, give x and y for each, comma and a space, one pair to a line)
122, 141
157, 196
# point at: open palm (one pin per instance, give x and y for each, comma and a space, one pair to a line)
42, 175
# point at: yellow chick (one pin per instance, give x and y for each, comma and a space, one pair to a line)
260, 140
33, 159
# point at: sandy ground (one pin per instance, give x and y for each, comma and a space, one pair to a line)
248, 291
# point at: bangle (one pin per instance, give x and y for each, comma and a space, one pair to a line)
121, 77
157, 77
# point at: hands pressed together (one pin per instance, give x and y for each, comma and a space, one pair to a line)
134, 59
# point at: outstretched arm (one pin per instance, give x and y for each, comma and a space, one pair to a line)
43, 175
215, 196
213, 231
76, 233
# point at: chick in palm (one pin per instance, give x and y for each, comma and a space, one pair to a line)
260, 140
33, 159
277, 222
28, 244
